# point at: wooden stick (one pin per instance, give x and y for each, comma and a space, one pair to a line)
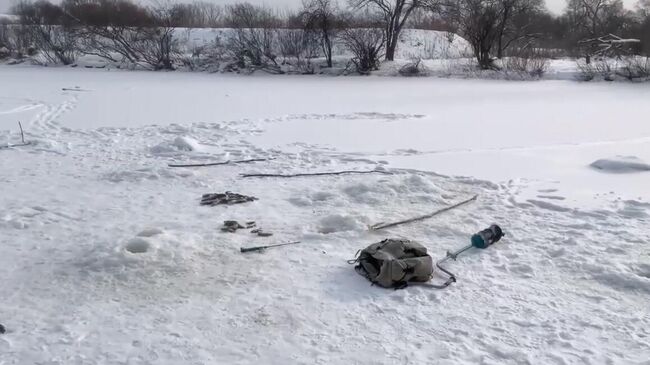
22, 135
73, 89
260, 248
379, 226
318, 173
220, 163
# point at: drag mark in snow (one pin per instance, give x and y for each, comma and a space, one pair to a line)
353, 116
22, 108
47, 119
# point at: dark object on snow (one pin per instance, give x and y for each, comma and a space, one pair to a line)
2, 330
261, 248
226, 198
393, 263
319, 173
379, 226
261, 233
482, 239
233, 226
487, 237
220, 163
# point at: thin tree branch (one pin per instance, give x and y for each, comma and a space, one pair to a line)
379, 226
319, 173
220, 163
22, 134
22, 137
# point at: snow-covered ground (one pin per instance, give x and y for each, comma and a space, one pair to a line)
561, 165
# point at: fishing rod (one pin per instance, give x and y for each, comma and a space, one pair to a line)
261, 248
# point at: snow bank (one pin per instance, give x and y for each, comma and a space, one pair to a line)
620, 165
179, 144
339, 223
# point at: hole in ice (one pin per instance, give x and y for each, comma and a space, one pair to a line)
137, 245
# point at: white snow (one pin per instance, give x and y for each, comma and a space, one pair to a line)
107, 257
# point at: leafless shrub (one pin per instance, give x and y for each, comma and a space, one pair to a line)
251, 42
606, 68
367, 47
111, 29
298, 46
45, 25
586, 71
526, 63
55, 43
635, 68
158, 48
603, 68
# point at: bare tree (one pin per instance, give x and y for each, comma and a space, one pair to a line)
111, 29
395, 14
490, 26
320, 17
197, 15
516, 17
478, 21
595, 18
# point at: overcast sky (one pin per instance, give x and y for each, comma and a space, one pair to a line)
555, 6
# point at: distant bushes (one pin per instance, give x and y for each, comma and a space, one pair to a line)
512, 38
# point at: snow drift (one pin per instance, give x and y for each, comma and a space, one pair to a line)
620, 165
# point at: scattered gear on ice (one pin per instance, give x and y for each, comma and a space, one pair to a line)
226, 198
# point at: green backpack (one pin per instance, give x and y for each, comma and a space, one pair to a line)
393, 263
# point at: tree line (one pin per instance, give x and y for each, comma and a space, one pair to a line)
121, 30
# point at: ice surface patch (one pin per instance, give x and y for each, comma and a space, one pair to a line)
146, 173
621, 165
167, 253
339, 223
368, 193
